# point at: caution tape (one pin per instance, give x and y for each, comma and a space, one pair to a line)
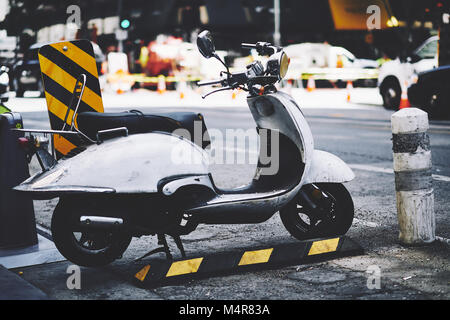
344, 74
160, 273
142, 78
334, 74
61, 65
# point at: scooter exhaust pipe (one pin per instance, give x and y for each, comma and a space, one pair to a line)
101, 222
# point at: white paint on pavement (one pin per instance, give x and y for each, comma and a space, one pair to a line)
364, 167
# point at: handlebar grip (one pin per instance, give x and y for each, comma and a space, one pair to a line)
208, 83
248, 45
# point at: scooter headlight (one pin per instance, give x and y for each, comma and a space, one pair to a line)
284, 65
278, 64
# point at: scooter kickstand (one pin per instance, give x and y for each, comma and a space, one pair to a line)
179, 244
162, 240
165, 248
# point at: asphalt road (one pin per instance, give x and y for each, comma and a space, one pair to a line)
362, 138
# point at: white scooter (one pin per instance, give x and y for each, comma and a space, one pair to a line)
158, 183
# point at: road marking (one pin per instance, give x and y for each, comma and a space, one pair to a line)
364, 167
366, 223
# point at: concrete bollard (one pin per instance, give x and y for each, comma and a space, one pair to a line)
413, 180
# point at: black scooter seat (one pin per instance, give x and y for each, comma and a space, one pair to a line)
137, 122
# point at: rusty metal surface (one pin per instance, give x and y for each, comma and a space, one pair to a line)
327, 167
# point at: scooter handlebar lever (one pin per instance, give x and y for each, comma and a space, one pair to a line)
217, 90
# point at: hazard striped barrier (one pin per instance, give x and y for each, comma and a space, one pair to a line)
160, 273
61, 65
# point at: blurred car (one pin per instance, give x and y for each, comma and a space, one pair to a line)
431, 92
323, 55
26, 74
336, 62
395, 74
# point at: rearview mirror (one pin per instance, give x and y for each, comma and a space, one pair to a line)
205, 44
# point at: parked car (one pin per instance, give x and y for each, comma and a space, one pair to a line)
431, 92
396, 74
26, 74
309, 56
323, 55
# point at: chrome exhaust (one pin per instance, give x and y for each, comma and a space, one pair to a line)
101, 222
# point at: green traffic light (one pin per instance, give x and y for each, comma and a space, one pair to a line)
125, 23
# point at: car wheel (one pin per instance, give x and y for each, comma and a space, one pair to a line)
391, 93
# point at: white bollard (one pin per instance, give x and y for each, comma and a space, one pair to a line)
413, 181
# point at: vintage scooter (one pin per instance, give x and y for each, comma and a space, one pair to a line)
158, 183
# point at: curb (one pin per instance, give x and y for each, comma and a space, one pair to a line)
16, 288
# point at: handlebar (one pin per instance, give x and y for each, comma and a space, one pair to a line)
248, 45
208, 83
263, 48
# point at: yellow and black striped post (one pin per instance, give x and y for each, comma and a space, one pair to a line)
61, 65
160, 273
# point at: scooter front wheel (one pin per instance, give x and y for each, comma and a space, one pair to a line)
332, 216
85, 248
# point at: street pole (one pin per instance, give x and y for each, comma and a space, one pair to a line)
119, 14
276, 12
413, 180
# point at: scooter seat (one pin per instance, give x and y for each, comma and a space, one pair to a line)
137, 122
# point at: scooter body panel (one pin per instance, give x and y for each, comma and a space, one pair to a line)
327, 167
279, 111
275, 111
132, 164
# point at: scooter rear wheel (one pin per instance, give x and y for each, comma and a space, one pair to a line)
302, 223
85, 248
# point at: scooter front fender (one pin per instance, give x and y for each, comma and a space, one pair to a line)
326, 167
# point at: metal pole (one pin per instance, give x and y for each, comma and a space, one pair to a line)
276, 12
119, 13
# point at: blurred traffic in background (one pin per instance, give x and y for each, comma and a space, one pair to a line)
398, 48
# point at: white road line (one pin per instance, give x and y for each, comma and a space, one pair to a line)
366, 223
391, 171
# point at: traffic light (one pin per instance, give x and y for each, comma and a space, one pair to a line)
125, 23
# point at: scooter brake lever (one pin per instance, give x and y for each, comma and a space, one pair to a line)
217, 90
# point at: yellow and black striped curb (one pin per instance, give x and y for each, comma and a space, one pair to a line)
160, 273
61, 65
